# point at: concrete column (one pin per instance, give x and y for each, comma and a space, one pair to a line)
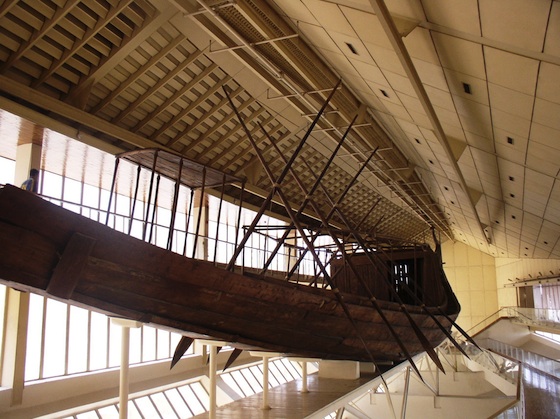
28, 152
347, 370
15, 343
201, 251
125, 363
28, 156
212, 376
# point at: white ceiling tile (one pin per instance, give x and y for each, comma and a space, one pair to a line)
441, 98
339, 62
431, 75
453, 131
552, 212
510, 70
484, 162
539, 185
491, 189
548, 87
513, 154
419, 45
410, 128
478, 124
329, 16
509, 169
547, 113
366, 26
543, 158
520, 23
385, 59
408, 9
480, 142
319, 37
478, 90
357, 83
447, 116
370, 72
545, 135
420, 118
518, 127
460, 55
400, 83
549, 234
461, 15
397, 109
511, 101
296, 10
552, 43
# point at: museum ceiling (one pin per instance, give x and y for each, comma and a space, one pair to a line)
448, 111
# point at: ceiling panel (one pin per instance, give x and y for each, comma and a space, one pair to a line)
515, 22
153, 73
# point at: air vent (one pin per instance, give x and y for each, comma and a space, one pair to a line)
467, 88
511, 178
384, 93
510, 140
352, 49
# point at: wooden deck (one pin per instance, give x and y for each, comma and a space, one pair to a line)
287, 400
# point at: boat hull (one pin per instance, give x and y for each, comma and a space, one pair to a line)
60, 254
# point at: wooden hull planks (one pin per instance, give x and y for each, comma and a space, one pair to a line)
54, 252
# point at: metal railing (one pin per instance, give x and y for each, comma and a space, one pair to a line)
541, 363
536, 317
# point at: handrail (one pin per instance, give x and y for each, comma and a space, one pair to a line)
545, 317
541, 363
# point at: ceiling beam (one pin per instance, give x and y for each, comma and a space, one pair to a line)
394, 36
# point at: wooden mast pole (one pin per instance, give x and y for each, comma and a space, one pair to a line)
311, 192
372, 299
280, 177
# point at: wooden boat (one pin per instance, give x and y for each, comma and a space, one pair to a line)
52, 251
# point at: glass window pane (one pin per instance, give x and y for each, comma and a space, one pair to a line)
98, 341
163, 344
115, 336
135, 345
146, 407
78, 342
178, 403
55, 339
148, 343
108, 412
191, 399
164, 408
34, 337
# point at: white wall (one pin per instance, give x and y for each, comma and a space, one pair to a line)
472, 275
507, 270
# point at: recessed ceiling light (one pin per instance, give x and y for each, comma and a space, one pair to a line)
352, 49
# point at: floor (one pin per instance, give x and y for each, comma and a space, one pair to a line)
287, 401
542, 395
